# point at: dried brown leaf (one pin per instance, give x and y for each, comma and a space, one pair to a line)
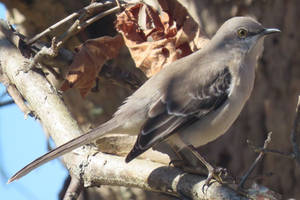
127, 22
89, 60
156, 38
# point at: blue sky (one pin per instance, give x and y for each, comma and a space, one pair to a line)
21, 141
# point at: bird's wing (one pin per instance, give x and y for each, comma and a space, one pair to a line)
181, 106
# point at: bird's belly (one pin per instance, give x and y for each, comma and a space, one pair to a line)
214, 125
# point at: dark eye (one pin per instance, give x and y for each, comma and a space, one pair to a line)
242, 33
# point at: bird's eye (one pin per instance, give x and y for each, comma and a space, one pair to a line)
242, 33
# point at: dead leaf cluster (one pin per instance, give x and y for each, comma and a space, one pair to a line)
155, 37
88, 62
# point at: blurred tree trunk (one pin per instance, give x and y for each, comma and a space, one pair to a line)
270, 108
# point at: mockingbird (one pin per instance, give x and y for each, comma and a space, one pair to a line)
190, 102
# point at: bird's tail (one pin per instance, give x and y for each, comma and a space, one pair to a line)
65, 148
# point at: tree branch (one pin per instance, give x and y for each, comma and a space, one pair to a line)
38, 92
15, 94
253, 165
5, 103
74, 189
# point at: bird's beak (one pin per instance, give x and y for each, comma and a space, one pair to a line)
268, 31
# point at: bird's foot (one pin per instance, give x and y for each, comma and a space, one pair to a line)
215, 173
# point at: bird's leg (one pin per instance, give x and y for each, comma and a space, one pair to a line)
213, 172
189, 160
182, 163
178, 160
172, 151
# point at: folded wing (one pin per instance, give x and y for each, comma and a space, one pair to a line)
180, 107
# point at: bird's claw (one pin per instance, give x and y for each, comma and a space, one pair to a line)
214, 173
218, 173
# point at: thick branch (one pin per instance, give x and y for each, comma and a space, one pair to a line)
112, 170
38, 92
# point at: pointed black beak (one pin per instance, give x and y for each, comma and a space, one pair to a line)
268, 31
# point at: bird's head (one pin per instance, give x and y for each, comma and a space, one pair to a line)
242, 33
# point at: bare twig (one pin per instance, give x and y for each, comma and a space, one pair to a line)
10, 33
80, 25
86, 9
118, 4
295, 155
51, 28
76, 27
99, 16
15, 95
74, 189
271, 151
5, 103
71, 31
45, 53
295, 135
259, 157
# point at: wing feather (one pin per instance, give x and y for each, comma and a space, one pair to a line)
174, 111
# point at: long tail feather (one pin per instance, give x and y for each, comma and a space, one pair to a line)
63, 149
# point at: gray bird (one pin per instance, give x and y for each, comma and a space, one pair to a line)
190, 102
